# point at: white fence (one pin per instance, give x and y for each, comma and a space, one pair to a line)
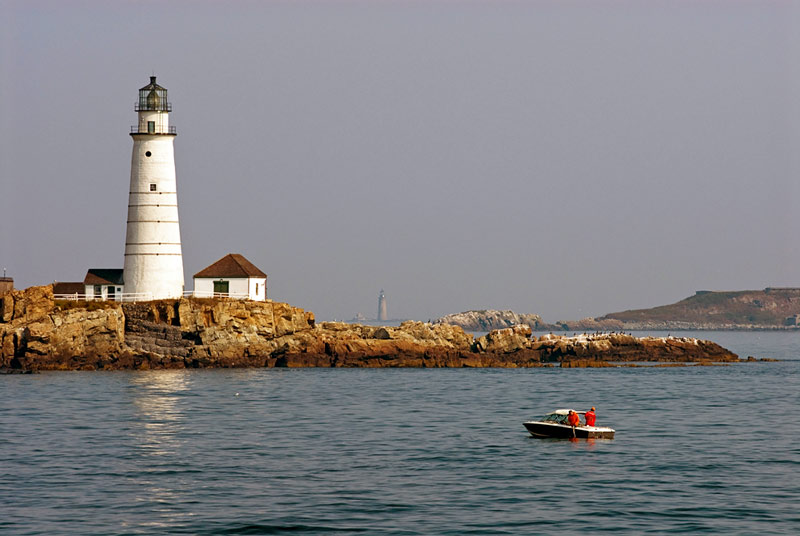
209, 294
146, 296
120, 297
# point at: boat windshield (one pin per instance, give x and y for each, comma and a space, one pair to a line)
555, 417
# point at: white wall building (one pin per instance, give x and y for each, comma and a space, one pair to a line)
153, 260
232, 276
103, 284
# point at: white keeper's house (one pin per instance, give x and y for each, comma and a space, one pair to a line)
232, 276
102, 284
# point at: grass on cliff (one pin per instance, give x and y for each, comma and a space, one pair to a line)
68, 305
207, 301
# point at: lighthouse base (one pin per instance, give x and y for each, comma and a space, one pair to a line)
155, 277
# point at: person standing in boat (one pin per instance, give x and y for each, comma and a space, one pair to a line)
590, 417
573, 419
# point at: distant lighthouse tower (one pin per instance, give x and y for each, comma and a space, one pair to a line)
382, 316
153, 260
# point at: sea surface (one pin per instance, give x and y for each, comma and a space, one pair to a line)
701, 450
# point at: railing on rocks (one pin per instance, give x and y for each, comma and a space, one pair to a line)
147, 296
121, 297
209, 294
71, 297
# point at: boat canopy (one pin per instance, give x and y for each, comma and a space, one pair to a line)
560, 416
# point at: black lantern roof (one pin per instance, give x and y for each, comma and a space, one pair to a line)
153, 97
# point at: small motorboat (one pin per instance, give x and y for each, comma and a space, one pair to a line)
555, 425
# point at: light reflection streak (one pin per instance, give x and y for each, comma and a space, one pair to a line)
158, 412
159, 430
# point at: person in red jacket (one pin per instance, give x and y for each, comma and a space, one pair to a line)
573, 419
590, 417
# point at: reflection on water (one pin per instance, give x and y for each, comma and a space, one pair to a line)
158, 428
159, 418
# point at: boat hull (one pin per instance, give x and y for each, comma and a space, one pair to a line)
546, 429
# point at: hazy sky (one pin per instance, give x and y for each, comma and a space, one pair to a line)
565, 158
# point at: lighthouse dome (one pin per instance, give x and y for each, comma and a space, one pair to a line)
153, 98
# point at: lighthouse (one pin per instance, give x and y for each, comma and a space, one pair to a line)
153, 261
382, 315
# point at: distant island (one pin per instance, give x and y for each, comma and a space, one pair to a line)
489, 319
768, 309
39, 332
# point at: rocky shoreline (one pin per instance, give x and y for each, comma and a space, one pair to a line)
40, 333
486, 320
608, 324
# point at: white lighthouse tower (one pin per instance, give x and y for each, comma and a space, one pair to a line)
382, 314
153, 260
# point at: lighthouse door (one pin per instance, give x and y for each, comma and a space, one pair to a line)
220, 288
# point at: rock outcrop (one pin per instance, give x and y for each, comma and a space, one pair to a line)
40, 333
768, 309
36, 334
489, 320
745, 310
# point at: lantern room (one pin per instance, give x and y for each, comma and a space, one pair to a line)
153, 98
153, 108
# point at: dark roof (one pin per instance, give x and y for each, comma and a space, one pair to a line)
231, 265
103, 276
71, 287
152, 85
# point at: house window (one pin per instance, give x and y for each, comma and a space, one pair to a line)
256, 289
220, 288
151, 127
98, 291
152, 187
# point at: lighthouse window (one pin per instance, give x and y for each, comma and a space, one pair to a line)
151, 127
152, 187
148, 154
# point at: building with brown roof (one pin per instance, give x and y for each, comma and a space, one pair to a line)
232, 276
69, 290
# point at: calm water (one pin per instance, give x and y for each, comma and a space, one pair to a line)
712, 450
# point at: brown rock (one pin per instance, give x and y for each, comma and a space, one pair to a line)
232, 333
31, 303
505, 340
